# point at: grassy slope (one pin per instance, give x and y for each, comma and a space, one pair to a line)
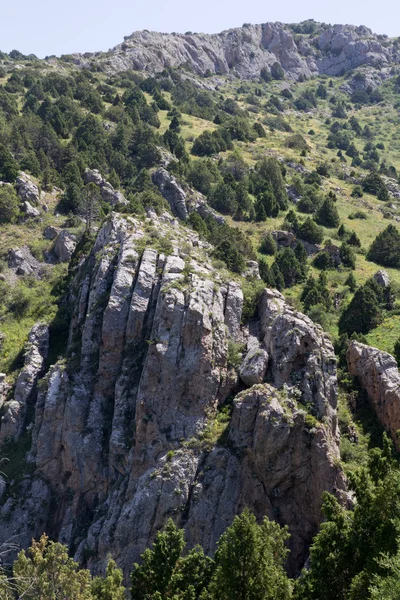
383, 119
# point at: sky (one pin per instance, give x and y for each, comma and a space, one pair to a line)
46, 27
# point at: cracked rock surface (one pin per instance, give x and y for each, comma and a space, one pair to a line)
126, 429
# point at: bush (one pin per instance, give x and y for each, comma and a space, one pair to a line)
328, 214
268, 245
374, 184
362, 314
297, 142
8, 166
385, 249
359, 214
357, 192
277, 72
252, 291
310, 232
9, 204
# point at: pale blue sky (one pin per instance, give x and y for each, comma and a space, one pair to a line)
45, 27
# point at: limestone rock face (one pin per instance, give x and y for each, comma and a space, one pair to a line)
122, 427
64, 246
27, 190
172, 192
108, 193
301, 355
244, 51
379, 376
14, 412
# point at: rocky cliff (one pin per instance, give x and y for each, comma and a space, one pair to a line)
378, 375
167, 405
244, 51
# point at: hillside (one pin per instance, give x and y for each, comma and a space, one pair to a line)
199, 282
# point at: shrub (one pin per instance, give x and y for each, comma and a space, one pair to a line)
385, 249
310, 232
9, 204
327, 214
374, 184
277, 72
297, 142
268, 245
8, 166
362, 314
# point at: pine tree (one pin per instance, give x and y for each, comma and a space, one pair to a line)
45, 571
385, 249
111, 587
327, 214
164, 573
157, 564
249, 562
362, 314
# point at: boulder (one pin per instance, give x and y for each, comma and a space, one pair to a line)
285, 239
50, 233
382, 278
254, 366
252, 270
64, 246
29, 210
22, 262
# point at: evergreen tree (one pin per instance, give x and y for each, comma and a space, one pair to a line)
164, 573
223, 199
289, 266
385, 249
45, 571
347, 256
90, 206
351, 282
268, 245
362, 314
249, 562
310, 232
9, 205
8, 166
327, 214
111, 587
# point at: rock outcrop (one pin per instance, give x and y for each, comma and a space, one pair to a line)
14, 411
126, 430
172, 192
108, 193
382, 278
244, 51
379, 376
183, 201
64, 246
22, 262
27, 190
29, 210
